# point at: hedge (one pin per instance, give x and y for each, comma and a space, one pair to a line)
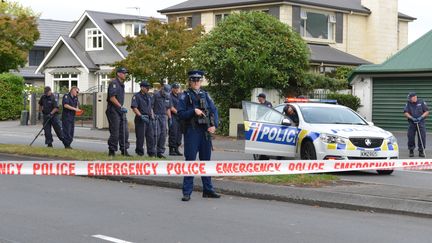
11, 96
348, 100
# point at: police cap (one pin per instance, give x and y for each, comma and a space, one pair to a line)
144, 83
175, 85
195, 74
411, 94
262, 95
121, 70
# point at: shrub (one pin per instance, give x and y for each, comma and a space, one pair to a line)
11, 96
348, 100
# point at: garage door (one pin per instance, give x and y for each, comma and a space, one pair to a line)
389, 99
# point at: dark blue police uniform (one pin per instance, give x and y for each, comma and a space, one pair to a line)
161, 104
175, 130
416, 110
49, 103
117, 120
143, 128
68, 119
195, 137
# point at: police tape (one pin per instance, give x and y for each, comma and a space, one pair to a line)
202, 168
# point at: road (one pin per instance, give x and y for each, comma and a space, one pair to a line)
79, 209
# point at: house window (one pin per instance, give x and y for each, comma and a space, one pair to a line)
220, 17
104, 81
64, 82
188, 21
36, 57
317, 25
94, 40
139, 28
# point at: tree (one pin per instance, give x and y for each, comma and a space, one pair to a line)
11, 97
246, 51
18, 32
162, 52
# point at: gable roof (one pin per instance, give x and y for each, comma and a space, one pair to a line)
416, 57
50, 30
329, 55
74, 48
344, 5
104, 21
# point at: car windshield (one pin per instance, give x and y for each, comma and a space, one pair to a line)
331, 115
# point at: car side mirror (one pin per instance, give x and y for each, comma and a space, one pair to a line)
286, 122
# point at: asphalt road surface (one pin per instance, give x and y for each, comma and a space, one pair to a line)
79, 209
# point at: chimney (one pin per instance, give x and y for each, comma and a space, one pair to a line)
382, 29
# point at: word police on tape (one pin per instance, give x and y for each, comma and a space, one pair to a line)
205, 168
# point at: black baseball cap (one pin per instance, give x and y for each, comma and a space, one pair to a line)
121, 70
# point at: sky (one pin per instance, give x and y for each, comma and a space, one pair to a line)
72, 10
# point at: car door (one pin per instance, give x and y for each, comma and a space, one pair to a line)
267, 131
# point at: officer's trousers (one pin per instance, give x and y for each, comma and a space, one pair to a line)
160, 124
68, 130
55, 123
175, 133
144, 131
195, 141
118, 129
412, 131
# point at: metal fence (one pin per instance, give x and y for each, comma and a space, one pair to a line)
85, 101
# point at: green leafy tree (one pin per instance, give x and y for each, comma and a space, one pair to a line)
246, 51
162, 52
18, 32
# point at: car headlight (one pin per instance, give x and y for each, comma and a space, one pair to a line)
392, 139
327, 138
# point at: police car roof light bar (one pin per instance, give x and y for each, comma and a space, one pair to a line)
305, 100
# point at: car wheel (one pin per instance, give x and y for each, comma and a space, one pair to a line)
307, 151
260, 157
385, 172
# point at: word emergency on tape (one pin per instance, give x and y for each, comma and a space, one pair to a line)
202, 168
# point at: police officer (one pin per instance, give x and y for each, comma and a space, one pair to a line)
142, 107
70, 106
191, 110
116, 114
262, 100
161, 108
291, 114
175, 130
416, 111
48, 105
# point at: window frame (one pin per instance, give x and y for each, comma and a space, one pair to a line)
37, 61
187, 23
89, 35
223, 16
331, 25
71, 78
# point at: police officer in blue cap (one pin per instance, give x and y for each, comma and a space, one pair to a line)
416, 111
116, 114
200, 117
70, 106
48, 105
175, 130
142, 107
161, 109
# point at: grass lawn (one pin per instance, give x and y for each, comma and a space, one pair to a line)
307, 180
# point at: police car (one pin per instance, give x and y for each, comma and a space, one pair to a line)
324, 132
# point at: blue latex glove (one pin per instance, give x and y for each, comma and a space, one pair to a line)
170, 122
415, 120
124, 110
419, 119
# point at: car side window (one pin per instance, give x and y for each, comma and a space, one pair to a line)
260, 113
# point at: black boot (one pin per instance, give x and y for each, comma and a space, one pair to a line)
178, 152
161, 156
211, 195
125, 153
172, 151
49, 145
111, 153
185, 198
421, 154
411, 153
